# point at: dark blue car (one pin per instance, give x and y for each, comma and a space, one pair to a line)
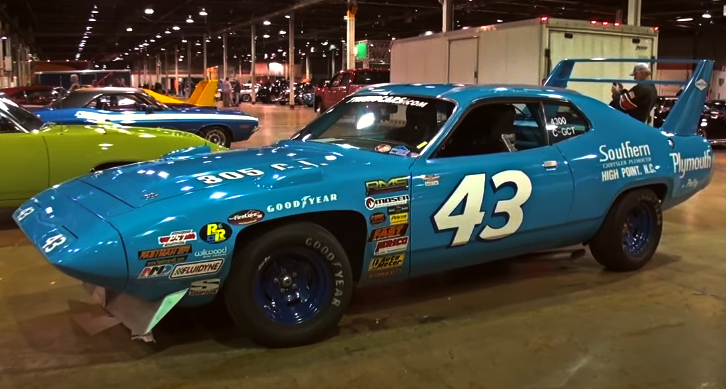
134, 107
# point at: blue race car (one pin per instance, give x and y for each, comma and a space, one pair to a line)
134, 107
393, 182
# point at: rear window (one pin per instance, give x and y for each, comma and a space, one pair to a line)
372, 78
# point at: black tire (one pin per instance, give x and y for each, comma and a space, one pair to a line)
218, 135
318, 106
249, 288
246, 98
631, 232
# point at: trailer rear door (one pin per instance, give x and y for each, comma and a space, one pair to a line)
463, 60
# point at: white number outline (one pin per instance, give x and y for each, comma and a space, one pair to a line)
471, 190
53, 242
236, 175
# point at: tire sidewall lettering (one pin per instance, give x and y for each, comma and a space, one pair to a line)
338, 277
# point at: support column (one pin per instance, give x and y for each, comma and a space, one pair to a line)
204, 55
332, 63
176, 71
224, 57
307, 67
189, 59
448, 15
350, 39
252, 64
157, 68
634, 7
166, 72
291, 59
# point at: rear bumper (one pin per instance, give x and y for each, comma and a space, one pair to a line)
66, 225
717, 142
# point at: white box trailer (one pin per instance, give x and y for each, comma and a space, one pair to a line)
522, 52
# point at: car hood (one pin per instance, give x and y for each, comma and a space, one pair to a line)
285, 164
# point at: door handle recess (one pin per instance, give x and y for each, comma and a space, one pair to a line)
550, 164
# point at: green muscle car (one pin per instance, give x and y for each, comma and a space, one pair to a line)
36, 155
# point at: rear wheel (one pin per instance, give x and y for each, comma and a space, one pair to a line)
318, 106
246, 98
289, 287
630, 233
217, 135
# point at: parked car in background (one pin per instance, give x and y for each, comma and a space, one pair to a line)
38, 154
347, 82
34, 95
132, 106
713, 118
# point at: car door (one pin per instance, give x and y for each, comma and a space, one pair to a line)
25, 162
330, 93
479, 198
343, 88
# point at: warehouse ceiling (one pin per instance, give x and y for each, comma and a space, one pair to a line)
124, 29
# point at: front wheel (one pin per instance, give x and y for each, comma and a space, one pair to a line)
289, 287
630, 233
216, 135
246, 98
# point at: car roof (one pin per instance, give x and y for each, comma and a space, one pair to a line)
27, 88
466, 93
107, 90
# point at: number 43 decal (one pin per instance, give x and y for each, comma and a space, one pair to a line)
471, 190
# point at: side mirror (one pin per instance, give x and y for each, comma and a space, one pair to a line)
147, 108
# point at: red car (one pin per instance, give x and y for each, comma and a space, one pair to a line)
34, 95
347, 82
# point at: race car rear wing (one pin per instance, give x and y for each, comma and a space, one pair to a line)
685, 115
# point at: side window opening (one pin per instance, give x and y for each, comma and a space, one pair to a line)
495, 128
563, 122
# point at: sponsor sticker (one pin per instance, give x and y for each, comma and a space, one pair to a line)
399, 150
212, 253
392, 245
177, 238
386, 262
204, 287
305, 201
388, 232
389, 100
384, 273
372, 203
166, 261
214, 233
383, 148
701, 84
681, 166
155, 271
378, 218
161, 253
431, 180
25, 213
249, 216
399, 218
382, 186
625, 161
398, 209
196, 269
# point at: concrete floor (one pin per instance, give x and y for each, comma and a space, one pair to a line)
535, 322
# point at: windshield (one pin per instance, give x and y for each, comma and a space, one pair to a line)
397, 125
26, 119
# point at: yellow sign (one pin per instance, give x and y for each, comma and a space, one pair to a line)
399, 218
387, 262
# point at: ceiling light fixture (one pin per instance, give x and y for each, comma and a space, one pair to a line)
428, 33
283, 32
287, 16
129, 29
175, 28
684, 19
88, 28
91, 19
500, 21
149, 11
190, 20
203, 12
266, 23
167, 32
152, 40
706, 15
163, 49
184, 40
265, 36
158, 36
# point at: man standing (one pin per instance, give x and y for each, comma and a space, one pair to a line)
226, 92
639, 101
74, 82
237, 93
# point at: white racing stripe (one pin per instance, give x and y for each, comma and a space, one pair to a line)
139, 117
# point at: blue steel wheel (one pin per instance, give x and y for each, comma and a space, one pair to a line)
289, 286
630, 234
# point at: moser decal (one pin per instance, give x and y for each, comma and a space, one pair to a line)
329, 255
155, 271
384, 273
378, 218
211, 179
214, 233
431, 180
166, 261
681, 166
625, 161
387, 262
398, 209
196, 269
305, 201
204, 287
246, 217
388, 232
399, 218
211, 253
392, 245
25, 213
53, 242
382, 186
389, 100
161, 253
372, 203
177, 238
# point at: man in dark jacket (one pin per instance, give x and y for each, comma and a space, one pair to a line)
639, 101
